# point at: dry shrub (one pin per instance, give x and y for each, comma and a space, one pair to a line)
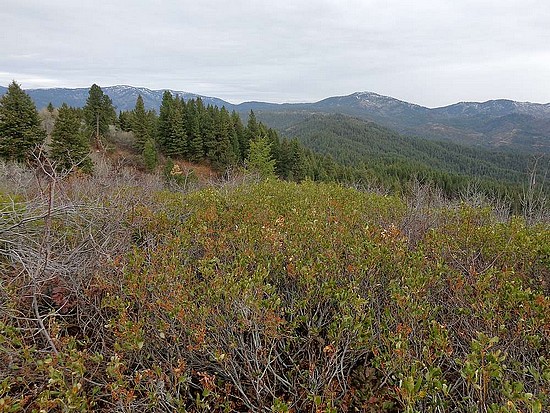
59, 238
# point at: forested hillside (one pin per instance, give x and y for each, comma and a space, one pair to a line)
354, 141
495, 124
394, 158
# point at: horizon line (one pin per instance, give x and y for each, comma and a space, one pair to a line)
287, 102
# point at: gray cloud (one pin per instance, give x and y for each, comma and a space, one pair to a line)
427, 52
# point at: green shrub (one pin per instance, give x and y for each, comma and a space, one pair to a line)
295, 297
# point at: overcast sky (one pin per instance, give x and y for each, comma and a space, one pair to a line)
430, 52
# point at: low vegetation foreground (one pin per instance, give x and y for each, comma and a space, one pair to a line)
118, 295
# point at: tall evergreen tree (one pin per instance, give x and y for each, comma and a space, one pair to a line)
152, 124
237, 136
260, 159
176, 141
99, 112
298, 170
252, 126
207, 125
69, 147
232, 149
284, 162
20, 130
165, 120
251, 132
196, 147
221, 153
140, 126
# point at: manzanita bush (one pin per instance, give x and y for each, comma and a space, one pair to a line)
283, 297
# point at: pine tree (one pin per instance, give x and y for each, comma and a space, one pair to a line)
219, 150
99, 112
139, 122
165, 120
152, 124
69, 147
237, 136
124, 121
251, 132
209, 133
297, 162
206, 121
260, 159
20, 130
150, 156
231, 145
176, 141
252, 127
284, 163
196, 147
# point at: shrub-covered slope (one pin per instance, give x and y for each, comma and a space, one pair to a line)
281, 297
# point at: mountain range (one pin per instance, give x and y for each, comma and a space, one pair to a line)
495, 123
123, 97
505, 124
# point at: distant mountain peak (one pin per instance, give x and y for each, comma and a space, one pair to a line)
367, 94
373, 99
